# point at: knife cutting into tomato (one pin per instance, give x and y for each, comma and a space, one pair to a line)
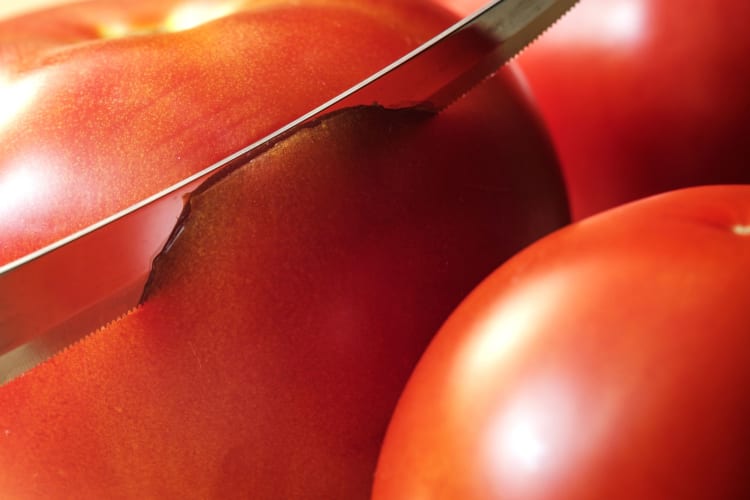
54, 296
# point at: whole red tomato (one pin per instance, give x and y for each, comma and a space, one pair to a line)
608, 360
645, 96
280, 328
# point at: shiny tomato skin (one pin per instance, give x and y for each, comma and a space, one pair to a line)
608, 360
107, 102
643, 96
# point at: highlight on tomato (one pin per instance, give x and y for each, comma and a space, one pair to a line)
610, 359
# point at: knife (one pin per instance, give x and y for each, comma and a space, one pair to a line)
55, 296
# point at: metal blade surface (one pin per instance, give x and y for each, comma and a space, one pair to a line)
55, 296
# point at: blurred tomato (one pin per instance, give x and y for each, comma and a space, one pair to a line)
645, 96
609, 360
9, 9
284, 322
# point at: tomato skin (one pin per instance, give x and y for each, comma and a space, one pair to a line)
608, 360
641, 97
108, 102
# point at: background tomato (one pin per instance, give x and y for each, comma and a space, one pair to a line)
608, 360
642, 97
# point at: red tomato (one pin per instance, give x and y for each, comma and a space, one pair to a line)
608, 360
645, 96
285, 320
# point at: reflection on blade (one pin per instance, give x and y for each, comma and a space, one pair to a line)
55, 296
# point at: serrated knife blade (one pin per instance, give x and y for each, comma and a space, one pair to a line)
57, 295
